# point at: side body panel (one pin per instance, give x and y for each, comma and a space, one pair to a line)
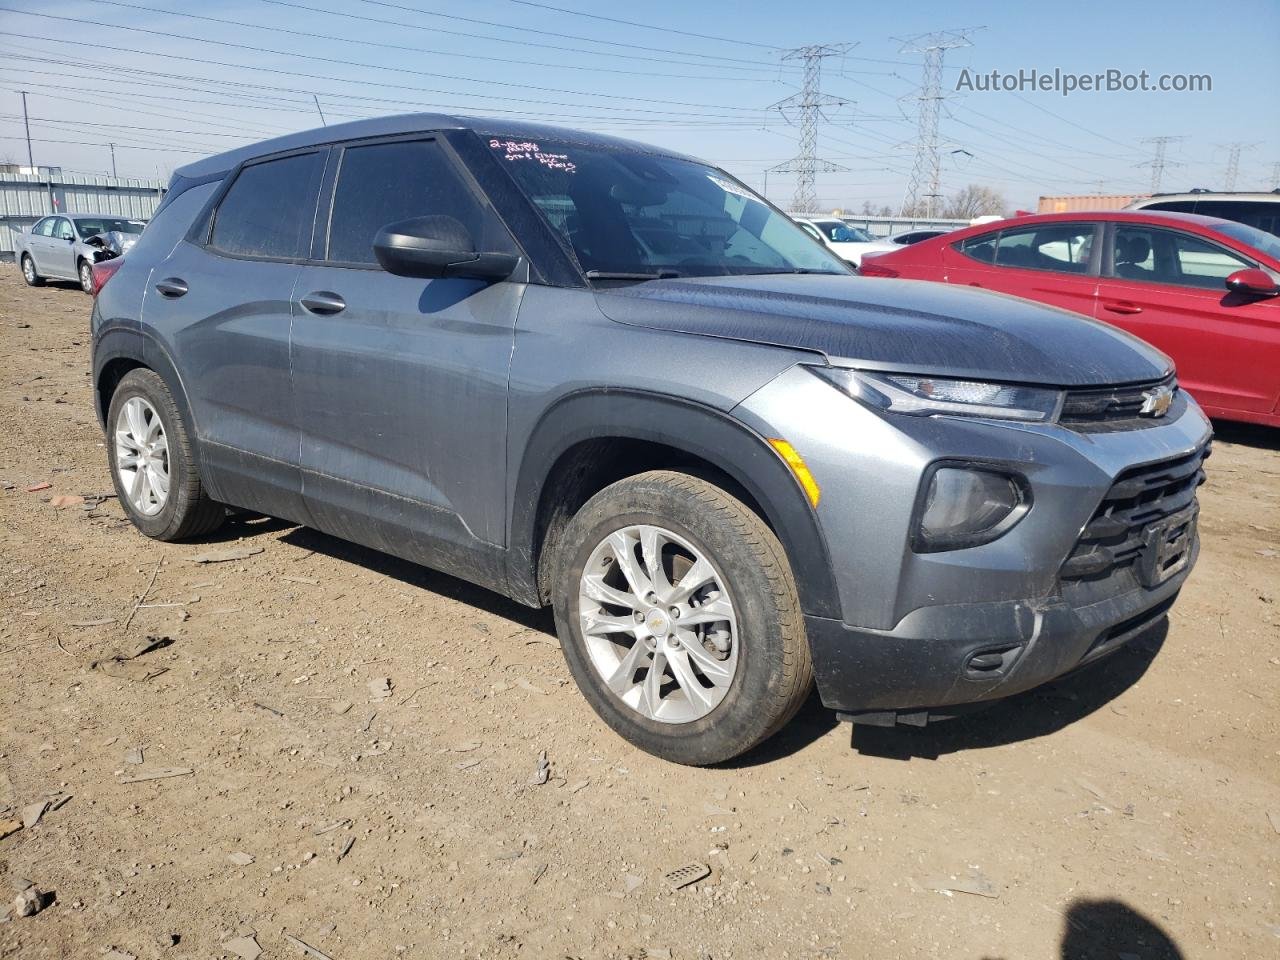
402, 403
229, 336
577, 376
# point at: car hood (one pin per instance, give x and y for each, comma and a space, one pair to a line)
904, 325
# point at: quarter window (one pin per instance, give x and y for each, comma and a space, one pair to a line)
269, 210
383, 183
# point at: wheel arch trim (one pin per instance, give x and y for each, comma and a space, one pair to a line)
705, 433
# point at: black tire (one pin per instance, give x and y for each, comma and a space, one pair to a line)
774, 672
29, 275
84, 270
188, 511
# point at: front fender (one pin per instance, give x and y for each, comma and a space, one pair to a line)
693, 429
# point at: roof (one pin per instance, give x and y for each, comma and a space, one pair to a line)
1269, 195
408, 123
1121, 216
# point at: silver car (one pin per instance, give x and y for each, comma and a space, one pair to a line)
66, 246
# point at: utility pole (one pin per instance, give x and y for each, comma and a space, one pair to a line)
323, 122
925, 184
113, 158
1275, 175
27, 124
809, 103
1159, 161
1233, 163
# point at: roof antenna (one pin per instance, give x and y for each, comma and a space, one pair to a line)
323, 122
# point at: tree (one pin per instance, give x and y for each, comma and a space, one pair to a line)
974, 201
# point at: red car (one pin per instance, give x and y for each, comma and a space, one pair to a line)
1205, 291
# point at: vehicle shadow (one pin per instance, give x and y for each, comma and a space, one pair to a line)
1110, 928
423, 578
1025, 716
1246, 434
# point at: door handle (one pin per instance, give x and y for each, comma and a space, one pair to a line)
1121, 306
323, 302
171, 287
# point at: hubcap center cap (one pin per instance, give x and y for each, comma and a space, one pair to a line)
657, 623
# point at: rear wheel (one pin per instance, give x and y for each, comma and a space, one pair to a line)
85, 272
152, 462
29, 272
679, 618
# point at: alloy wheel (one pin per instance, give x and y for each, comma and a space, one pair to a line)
142, 456
28, 270
659, 624
86, 277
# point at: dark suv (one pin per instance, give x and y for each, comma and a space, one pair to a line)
597, 375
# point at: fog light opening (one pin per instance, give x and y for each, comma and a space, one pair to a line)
967, 507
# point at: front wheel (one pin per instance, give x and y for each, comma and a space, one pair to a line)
29, 274
679, 618
85, 272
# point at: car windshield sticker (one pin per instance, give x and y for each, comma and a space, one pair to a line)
527, 150
728, 186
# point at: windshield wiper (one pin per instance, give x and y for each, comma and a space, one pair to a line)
625, 275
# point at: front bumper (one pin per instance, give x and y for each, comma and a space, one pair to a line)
954, 654
919, 632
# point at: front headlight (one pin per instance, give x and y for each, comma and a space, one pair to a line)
927, 396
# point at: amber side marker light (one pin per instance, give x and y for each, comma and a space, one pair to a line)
799, 468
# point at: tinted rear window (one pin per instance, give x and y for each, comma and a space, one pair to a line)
269, 210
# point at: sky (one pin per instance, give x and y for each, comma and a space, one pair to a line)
169, 81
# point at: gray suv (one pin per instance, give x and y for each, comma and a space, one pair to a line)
595, 375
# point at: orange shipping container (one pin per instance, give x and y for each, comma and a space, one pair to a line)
1085, 202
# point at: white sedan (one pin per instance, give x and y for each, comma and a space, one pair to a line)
848, 243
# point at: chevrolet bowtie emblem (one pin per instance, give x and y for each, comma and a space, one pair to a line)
1156, 401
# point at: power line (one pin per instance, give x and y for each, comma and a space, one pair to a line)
437, 53
810, 102
546, 33
1233, 163
664, 28
1159, 161
98, 45
647, 57
926, 172
169, 36
99, 143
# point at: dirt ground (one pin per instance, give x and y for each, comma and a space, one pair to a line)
1130, 811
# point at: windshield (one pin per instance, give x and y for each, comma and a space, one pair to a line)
1258, 239
838, 232
643, 216
96, 225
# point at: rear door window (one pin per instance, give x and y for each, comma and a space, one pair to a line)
981, 248
383, 183
43, 227
270, 209
1062, 247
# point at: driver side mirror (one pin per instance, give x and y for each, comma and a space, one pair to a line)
1253, 281
437, 246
